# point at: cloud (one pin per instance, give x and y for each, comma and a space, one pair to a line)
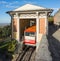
3, 2
30, 1
14, 2
9, 4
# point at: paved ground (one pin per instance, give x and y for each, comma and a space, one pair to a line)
49, 49
43, 53
54, 42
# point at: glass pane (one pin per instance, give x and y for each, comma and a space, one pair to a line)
30, 34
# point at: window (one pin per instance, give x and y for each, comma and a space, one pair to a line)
29, 34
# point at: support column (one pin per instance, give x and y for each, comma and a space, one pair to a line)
37, 30
11, 25
18, 32
46, 24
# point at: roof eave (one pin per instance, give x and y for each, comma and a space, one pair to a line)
40, 10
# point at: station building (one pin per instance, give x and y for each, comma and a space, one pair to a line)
57, 18
27, 15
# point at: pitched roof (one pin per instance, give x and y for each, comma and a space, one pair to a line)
29, 7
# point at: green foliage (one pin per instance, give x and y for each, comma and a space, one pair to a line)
12, 46
0, 32
9, 46
5, 31
3, 45
50, 19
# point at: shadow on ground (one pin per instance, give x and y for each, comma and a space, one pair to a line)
5, 57
54, 44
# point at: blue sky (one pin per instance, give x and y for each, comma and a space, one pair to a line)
7, 5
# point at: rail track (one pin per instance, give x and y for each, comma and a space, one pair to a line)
26, 54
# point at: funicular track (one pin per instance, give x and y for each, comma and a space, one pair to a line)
26, 54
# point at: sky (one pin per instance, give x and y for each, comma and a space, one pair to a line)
8, 5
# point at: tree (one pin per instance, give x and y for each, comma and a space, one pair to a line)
5, 31
50, 19
0, 32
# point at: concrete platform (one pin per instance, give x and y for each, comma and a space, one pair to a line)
43, 53
54, 42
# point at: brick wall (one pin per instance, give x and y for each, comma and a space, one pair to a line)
42, 26
14, 32
57, 18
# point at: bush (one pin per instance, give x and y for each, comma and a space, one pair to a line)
12, 46
8, 46
50, 20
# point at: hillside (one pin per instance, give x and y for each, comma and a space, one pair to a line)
4, 24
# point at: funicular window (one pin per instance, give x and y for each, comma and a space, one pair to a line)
30, 34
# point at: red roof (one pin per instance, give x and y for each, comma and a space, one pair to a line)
31, 29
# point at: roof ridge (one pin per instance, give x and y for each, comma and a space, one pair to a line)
29, 7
